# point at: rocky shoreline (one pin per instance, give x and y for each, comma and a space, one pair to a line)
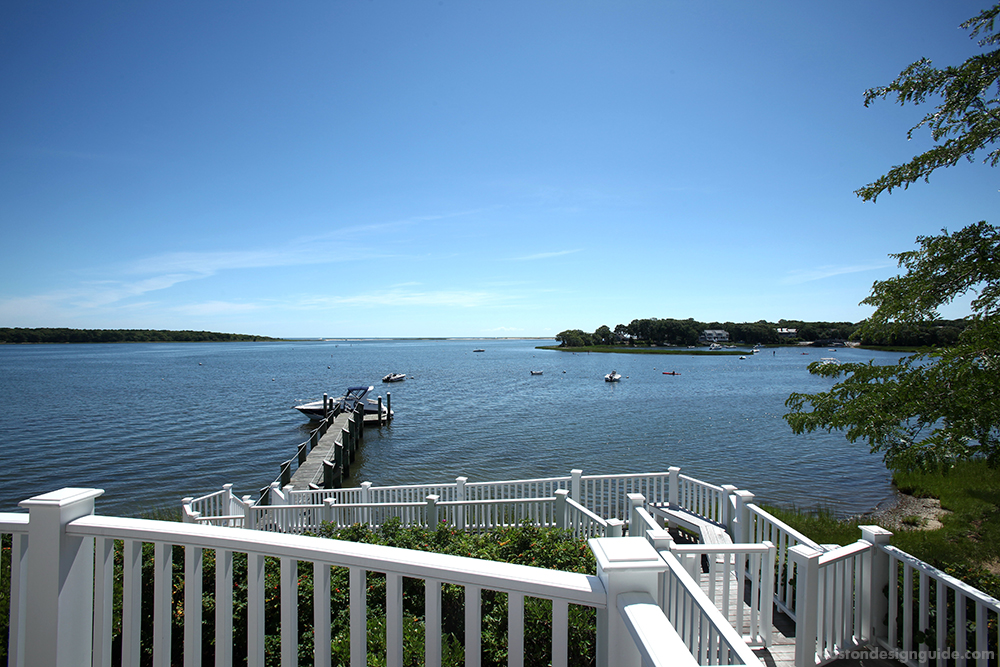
906, 512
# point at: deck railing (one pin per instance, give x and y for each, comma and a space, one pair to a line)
759, 527
928, 612
64, 578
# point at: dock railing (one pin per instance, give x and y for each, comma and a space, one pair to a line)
64, 577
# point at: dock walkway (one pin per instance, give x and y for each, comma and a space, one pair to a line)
334, 449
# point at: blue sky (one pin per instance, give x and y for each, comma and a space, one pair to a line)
460, 168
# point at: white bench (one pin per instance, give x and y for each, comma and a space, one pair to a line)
708, 532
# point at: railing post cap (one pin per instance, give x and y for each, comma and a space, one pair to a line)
730, 488
804, 551
673, 469
638, 497
875, 534
187, 501
576, 471
462, 479
562, 492
61, 498
433, 498
746, 495
366, 485
631, 553
275, 485
329, 501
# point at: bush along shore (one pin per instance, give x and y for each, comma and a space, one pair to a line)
950, 520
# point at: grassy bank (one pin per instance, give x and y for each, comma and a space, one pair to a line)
966, 546
618, 349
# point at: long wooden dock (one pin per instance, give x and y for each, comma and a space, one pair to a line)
325, 461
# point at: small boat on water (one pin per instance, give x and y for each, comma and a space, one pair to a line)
536, 372
613, 376
394, 377
671, 373
345, 403
479, 350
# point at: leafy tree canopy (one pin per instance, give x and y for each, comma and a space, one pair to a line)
931, 409
963, 124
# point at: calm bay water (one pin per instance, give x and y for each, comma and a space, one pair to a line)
151, 423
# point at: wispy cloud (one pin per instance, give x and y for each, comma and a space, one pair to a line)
797, 277
406, 297
545, 255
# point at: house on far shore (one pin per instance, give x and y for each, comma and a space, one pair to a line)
787, 333
714, 336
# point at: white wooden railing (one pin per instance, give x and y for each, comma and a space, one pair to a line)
965, 620
64, 581
760, 527
705, 631
833, 594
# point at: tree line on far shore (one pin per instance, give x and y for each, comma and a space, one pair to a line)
686, 333
55, 335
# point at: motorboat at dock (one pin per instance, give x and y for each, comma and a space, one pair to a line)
346, 403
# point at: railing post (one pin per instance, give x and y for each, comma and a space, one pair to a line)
575, 477
460, 496
741, 522
675, 479
874, 611
615, 528
366, 498
806, 561
626, 565
249, 514
660, 539
187, 514
328, 510
636, 527
380, 410
561, 508
59, 624
388, 406
432, 511
728, 507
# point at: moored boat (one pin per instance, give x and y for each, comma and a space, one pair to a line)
346, 403
613, 376
394, 377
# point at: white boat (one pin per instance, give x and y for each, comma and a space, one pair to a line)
536, 372
394, 377
345, 403
613, 376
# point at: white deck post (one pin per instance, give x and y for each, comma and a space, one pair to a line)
560, 517
729, 507
674, 493
366, 498
575, 477
806, 560
626, 565
660, 539
460, 496
741, 522
59, 627
187, 514
615, 528
636, 526
875, 606
432, 511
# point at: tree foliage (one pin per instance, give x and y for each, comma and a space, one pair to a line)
963, 124
60, 335
930, 409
